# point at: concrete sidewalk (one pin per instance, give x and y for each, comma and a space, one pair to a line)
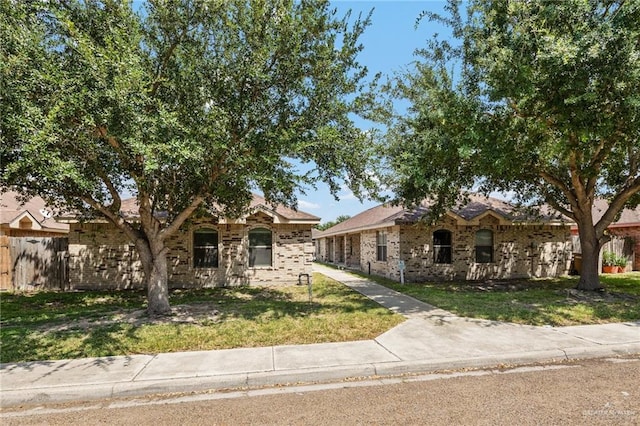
431, 339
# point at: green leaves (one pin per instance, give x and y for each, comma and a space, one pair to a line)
543, 90
537, 98
185, 98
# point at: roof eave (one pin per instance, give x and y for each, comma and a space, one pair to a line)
358, 229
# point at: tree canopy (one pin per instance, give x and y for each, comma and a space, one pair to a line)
541, 99
179, 103
329, 224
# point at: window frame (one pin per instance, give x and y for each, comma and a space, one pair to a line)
268, 248
438, 249
198, 260
481, 250
381, 246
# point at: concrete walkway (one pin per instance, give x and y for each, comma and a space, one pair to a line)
430, 339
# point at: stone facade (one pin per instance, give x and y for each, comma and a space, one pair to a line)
101, 256
518, 251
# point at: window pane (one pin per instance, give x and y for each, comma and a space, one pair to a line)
205, 248
381, 246
484, 254
484, 237
442, 238
205, 257
441, 254
205, 237
484, 246
260, 243
259, 256
442, 246
259, 237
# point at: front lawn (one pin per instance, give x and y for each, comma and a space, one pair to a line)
536, 301
46, 326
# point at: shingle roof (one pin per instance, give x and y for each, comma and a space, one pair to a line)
628, 216
385, 214
11, 208
283, 211
129, 209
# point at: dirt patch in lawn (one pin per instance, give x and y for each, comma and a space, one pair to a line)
573, 295
194, 313
580, 296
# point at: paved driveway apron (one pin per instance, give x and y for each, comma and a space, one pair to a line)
435, 334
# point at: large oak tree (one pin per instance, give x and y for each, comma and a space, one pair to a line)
538, 98
180, 103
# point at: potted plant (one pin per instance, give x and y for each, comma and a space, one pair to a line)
609, 262
621, 263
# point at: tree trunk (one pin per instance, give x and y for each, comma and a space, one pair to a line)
590, 245
154, 263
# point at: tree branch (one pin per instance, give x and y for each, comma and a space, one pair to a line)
114, 217
569, 213
184, 215
617, 204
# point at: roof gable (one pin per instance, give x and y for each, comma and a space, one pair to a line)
25, 220
32, 214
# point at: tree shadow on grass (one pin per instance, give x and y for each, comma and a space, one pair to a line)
74, 328
20, 344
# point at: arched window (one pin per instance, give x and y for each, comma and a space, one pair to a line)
442, 246
205, 248
484, 246
260, 243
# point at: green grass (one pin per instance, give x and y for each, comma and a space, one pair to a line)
534, 302
47, 326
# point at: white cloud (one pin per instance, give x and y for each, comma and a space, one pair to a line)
306, 205
346, 195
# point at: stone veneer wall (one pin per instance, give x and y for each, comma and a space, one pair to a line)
519, 251
353, 250
368, 252
101, 256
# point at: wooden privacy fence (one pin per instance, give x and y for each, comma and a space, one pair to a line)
32, 263
621, 246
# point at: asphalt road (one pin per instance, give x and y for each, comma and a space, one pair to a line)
593, 392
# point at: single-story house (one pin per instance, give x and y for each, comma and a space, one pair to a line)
483, 239
268, 245
626, 227
32, 244
33, 218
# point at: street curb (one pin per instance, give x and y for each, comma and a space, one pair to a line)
57, 394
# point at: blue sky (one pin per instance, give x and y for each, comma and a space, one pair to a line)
389, 45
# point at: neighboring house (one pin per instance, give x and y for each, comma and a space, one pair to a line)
315, 232
30, 219
484, 239
269, 245
626, 227
32, 245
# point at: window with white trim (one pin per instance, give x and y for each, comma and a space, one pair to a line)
442, 246
381, 245
205, 248
484, 246
260, 247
